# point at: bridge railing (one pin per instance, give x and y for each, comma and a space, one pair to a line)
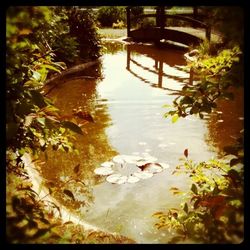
162, 17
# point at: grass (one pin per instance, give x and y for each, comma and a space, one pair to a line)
112, 33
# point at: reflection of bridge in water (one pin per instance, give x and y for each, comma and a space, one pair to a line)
194, 31
166, 57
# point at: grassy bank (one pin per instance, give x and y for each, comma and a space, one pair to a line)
112, 33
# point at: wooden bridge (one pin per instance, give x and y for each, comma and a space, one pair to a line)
193, 35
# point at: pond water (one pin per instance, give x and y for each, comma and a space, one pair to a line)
127, 107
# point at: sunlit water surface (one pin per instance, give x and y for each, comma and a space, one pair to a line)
127, 106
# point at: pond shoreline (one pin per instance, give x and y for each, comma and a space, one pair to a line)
66, 215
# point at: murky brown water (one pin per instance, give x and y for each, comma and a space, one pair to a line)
127, 108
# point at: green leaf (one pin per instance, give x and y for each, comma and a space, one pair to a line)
36, 75
51, 67
72, 126
185, 207
69, 193
175, 118
41, 120
194, 189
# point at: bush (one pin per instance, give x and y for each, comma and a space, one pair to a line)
108, 15
135, 12
82, 26
147, 23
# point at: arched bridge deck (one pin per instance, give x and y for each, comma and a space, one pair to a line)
193, 35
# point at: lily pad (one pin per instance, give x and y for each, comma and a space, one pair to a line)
150, 158
143, 175
108, 164
152, 168
103, 171
118, 159
132, 158
117, 179
133, 179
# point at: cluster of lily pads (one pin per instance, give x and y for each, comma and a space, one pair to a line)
130, 168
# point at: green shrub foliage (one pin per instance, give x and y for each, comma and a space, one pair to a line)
82, 26
108, 15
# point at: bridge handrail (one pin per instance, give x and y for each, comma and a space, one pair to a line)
174, 16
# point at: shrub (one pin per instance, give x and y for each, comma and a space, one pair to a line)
82, 26
108, 15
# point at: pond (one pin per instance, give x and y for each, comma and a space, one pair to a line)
126, 104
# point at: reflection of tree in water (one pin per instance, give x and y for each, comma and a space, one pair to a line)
112, 47
225, 124
69, 171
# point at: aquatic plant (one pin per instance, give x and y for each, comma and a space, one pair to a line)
136, 168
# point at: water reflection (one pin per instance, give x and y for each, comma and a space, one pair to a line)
93, 146
128, 117
225, 124
166, 66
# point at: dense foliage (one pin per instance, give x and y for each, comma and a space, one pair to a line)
36, 38
82, 26
107, 15
214, 207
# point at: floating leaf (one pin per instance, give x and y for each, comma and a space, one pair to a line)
118, 159
103, 171
77, 168
69, 193
133, 179
116, 179
108, 164
152, 168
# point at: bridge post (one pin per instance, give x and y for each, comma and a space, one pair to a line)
162, 21
195, 15
128, 21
